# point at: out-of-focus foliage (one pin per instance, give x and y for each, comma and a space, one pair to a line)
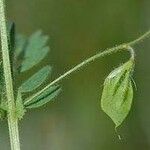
35, 50
30, 53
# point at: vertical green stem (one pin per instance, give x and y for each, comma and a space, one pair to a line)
12, 119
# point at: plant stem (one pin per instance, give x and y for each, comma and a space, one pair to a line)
109, 51
12, 119
140, 39
79, 66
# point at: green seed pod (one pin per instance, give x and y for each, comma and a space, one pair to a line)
117, 94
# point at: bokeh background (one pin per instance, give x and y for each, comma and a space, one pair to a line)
78, 29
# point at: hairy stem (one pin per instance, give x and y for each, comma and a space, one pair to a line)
12, 119
140, 39
109, 51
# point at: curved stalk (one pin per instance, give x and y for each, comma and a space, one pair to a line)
140, 39
12, 119
109, 51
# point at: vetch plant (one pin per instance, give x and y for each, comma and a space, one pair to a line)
20, 54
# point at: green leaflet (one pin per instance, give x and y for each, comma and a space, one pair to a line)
20, 44
36, 80
3, 114
43, 98
11, 40
117, 94
20, 110
3, 103
11, 35
1, 77
35, 51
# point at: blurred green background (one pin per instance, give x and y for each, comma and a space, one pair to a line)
78, 29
